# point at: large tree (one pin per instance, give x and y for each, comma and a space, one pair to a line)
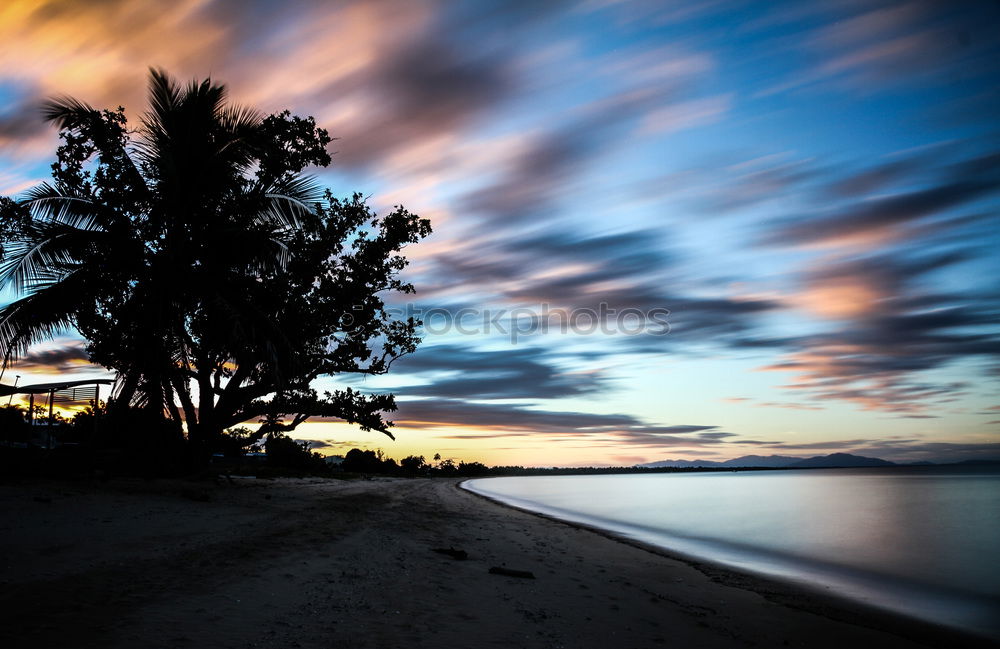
202, 266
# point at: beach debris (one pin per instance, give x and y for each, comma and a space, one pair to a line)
523, 574
461, 555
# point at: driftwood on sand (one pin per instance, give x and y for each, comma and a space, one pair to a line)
452, 552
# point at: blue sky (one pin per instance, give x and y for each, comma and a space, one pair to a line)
810, 189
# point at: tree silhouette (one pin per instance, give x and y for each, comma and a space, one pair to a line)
413, 464
202, 266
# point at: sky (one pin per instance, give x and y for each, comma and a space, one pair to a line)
662, 229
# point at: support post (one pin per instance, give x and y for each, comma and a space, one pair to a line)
97, 403
52, 397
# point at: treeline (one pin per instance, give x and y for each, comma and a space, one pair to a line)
377, 463
16, 429
138, 442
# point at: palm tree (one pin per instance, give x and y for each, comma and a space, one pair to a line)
145, 237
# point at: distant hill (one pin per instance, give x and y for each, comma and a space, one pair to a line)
772, 461
775, 462
978, 463
682, 464
838, 460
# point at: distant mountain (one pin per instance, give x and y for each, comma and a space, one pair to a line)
839, 460
774, 462
770, 461
977, 463
682, 464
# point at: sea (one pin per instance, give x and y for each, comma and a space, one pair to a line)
923, 541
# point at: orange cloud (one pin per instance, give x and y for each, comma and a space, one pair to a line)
842, 296
99, 52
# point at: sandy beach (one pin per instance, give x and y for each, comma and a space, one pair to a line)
327, 563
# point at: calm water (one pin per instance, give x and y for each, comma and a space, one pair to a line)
923, 540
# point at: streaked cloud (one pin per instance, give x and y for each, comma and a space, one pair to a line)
809, 188
469, 373
62, 360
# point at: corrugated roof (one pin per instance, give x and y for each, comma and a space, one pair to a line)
45, 388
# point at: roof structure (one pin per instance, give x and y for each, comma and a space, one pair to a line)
46, 388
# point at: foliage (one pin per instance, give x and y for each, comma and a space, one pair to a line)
285, 452
202, 266
446, 468
236, 441
375, 462
13, 424
90, 416
473, 469
358, 461
412, 464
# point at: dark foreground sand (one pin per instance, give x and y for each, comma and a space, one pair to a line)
311, 563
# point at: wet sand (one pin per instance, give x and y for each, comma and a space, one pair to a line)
326, 563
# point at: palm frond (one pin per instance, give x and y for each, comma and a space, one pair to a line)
48, 252
288, 201
29, 268
283, 212
40, 316
48, 203
303, 188
239, 119
205, 98
164, 94
164, 97
67, 112
238, 124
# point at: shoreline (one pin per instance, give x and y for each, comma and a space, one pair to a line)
815, 599
314, 563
